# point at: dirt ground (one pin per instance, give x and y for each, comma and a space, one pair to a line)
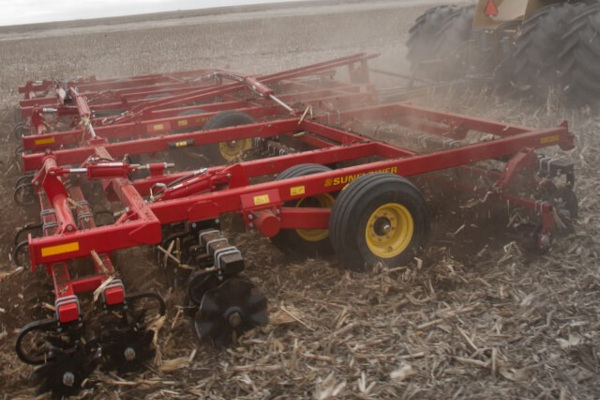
479, 318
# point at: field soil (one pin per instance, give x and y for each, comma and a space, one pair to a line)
477, 317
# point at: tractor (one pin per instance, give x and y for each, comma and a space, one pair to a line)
534, 46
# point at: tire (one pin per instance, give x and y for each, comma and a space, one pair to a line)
536, 61
422, 37
580, 58
304, 243
21, 129
451, 45
227, 151
368, 208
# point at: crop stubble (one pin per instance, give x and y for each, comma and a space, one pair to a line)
466, 323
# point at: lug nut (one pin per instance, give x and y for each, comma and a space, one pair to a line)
129, 354
68, 379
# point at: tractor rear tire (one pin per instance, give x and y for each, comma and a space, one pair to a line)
378, 218
422, 39
452, 44
304, 243
580, 58
536, 61
226, 152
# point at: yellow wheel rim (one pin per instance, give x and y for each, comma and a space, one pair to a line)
389, 230
324, 201
230, 150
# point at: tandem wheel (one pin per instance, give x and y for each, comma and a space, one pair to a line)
227, 151
378, 218
305, 242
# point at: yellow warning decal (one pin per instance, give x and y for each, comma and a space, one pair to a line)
60, 249
343, 180
549, 139
297, 190
181, 144
201, 120
262, 199
182, 122
158, 127
49, 140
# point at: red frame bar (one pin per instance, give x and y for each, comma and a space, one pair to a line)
141, 224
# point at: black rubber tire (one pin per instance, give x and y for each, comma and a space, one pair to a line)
224, 119
358, 202
451, 45
21, 129
536, 61
422, 37
580, 58
289, 240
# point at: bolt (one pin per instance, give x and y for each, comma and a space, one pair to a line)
250, 217
129, 354
386, 228
235, 319
68, 379
194, 225
251, 225
545, 241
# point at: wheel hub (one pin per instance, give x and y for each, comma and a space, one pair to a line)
383, 226
231, 149
234, 306
68, 379
389, 230
129, 354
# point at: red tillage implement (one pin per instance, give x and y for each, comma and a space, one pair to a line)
290, 153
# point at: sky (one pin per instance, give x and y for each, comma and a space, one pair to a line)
18, 12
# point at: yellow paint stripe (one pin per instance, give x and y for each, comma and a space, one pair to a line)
262, 199
158, 127
49, 140
297, 190
60, 249
549, 139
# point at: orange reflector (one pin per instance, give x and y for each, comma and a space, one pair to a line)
491, 10
60, 249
